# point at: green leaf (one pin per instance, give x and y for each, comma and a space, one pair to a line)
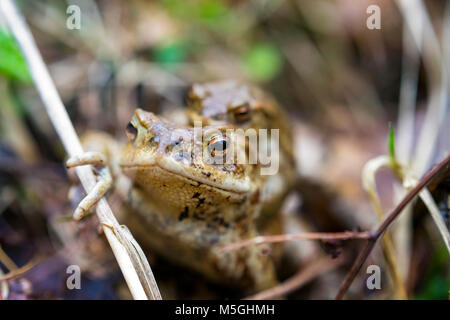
212, 11
391, 143
263, 62
12, 63
214, 14
170, 54
437, 278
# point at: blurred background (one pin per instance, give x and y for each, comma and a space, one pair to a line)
340, 82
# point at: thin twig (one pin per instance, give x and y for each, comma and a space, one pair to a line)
314, 270
140, 282
325, 236
6, 260
15, 273
370, 243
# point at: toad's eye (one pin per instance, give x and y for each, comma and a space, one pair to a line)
242, 113
218, 145
131, 131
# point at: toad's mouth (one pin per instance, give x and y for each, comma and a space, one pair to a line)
232, 186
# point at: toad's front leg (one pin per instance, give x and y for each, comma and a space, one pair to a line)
104, 180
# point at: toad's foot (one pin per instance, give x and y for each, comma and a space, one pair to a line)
104, 181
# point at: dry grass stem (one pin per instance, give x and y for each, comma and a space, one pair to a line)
369, 183
370, 243
139, 279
